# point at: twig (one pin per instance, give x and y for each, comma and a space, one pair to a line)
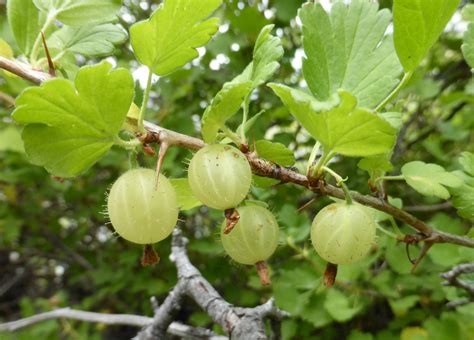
175, 328
429, 208
240, 323
452, 279
264, 168
24, 71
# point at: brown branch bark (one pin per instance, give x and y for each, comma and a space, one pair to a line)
264, 168
24, 71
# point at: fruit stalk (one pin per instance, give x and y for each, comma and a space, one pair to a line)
264, 275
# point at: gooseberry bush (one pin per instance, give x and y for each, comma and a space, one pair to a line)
356, 116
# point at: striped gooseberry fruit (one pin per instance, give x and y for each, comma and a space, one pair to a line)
220, 176
253, 239
139, 212
343, 233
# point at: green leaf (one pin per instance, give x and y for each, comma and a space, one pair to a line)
444, 328
341, 127
414, 333
169, 39
224, 105
314, 311
25, 22
80, 12
402, 305
348, 49
264, 182
267, 52
358, 335
467, 161
417, 26
377, 163
184, 195
275, 152
71, 126
90, 41
393, 118
467, 12
430, 179
6, 50
463, 198
339, 306
10, 140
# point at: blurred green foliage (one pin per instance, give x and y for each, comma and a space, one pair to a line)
57, 249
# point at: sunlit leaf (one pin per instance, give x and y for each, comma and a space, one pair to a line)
80, 12
25, 22
417, 26
69, 126
275, 152
168, 40
225, 104
340, 126
348, 49
430, 179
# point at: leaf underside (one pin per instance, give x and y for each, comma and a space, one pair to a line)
340, 125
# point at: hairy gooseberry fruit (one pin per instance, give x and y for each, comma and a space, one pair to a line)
140, 213
343, 233
253, 239
220, 176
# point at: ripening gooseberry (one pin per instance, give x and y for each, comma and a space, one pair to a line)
220, 176
343, 233
254, 238
140, 213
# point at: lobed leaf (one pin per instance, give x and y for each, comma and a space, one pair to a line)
417, 26
225, 104
25, 22
168, 40
71, 126
340, 126
267, 52
348, 49
430, 179
80, 12
90, 41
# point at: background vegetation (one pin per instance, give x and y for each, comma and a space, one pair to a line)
57, 249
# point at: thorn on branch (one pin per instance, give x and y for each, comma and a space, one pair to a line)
161, 157
52, 70
426, 247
